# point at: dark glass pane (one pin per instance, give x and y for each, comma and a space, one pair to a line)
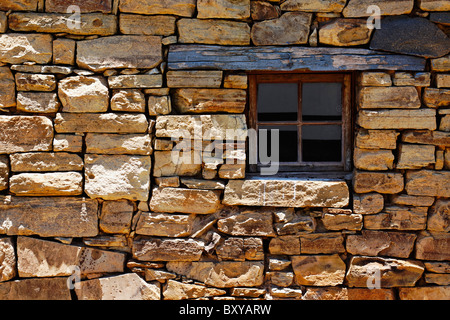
321, 143
277, 101
321, 101
287, 143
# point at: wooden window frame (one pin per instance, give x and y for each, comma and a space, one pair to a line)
346, 122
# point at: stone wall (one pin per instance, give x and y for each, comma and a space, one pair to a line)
90, 195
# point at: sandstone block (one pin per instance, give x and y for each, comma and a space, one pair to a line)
437, 138
441, 64
165, 224
175, 290
209, 31
100, 123
128, 100
370, 294
147, 25
4, 172
313, 5
425, 293
48, 216
236, 81
318, 270
194, 79
35, 289
37, 102
7, 260
438, 218
184, 8
365, 182
366, 159
393, 272
260, 10
35, 82
225, 274
415, 156
19, 5
127, 286
389, 97
223, 9
417, 201
193, 183
184, 200
291, 28
428, 183
85, 6
3, 22
119, 52
7, 88
83, 94
435, 246
155, 249
247, 223
419, 79
116, 216
397, 119
443, 80
137, 144
159, 105
319, 243
358, 8
289, 245
135, 81
436, 98
45, 161
167, 163
47, 184
19, 48
434, 5
114, 177
369, 203
398, 218
67, 143
345, 32
286, 193
375, 79
342, 221
241, 249
209, 100
445, 123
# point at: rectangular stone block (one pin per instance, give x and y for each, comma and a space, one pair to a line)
435, 246
375, 79
170, 163
223, 9
165, 224
443, 80
17, 48
45, 161
314, 5
35, 289
154, 249
415, 156
147, 25
367, 159
7, 88
38, 102
138, 144
428, 183
376, 139
4, 172
184, 8
389, 98
320, 243
419, 79
436, 98
135, 81
194, 79
116, 216
18, 5
85, 6
64, 51
397, 119
398, 218
342, 221
35, 82
248, 223
441, 64
358, 8
365, 182
48, 216
437, 138
318, 270
47, 184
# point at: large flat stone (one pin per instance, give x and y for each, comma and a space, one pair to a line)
365, 182
389, 97
100, 123
437, 138
171, 163
345, 32
433, 246
367, 159
49, 216
138, 144
85, 6
223, 9
428, 183
25, 133
19, 48
287, 193
45, 161
47, 184
425, 293
397, 119
119, 52
7, 88
147, 25
358, 8
19, 5
154, 249
318, 270
114, 177
184, 8
313, 5
414, 156
165, 224
38, 102
35, 289
398, 218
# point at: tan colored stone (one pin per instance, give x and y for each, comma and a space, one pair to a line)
389, 97
425, 293
35, 289
158, 275
236, 81
436, 278
441, 64
417, 201
184, 200
434, 246
436, 98
375, 79
175, 290
439, 216
3, 22
67, 143
397, 119
135, 81
128, 286
45, 161
168, 163
209, 100
19, 5
48, 216
345, 32
286, 193
128, 100
158, 249
7, 260
434, 5
443, 80
358, 8
47, 184
4, 172
445, 123
437, 138
121, 51
225, 274
165, 224
319, 243
83, 94
261, 10
100, 123
147, 25
428, 183
114, 177
342, 221
223, 9
159, 105
116, 216
193, 183
194, 79
247, 292
209, 31
35, 82
92, 23
370, 294
369, 203
313, 5
184, 8
19, 48
291, 28
318, 270
138, 144
398, 218
37, 102
419, 79
373, 243
365, 182
438, 267
85, 6
393, 272
415, 156
247, 223
7, 89
240, 249
282, 245
367, 159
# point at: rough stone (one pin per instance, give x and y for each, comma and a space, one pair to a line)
194, 79
428, 183
393, 272
114, 177
85, 6
443, 80
45, 161
184, 200
127, 286
209, 100
83, 94
286, 193
67, 143
48, 217
37, 102
439, 216
47, 184
415, 36
342, 221
209, 31
4, 172
419, 79
398, 218
365, 182
436, 98
3, 22
184, 8
35, 82
445, 123
373, 243
437, 138
291, 28
289, 222
175, 290
358, 8
319, 243
289, 245
156, 249
241, 249
35, 258
128, 100
318, 270
313, 5
100, 123
236, 81
425, 293
168, 163
20, 48
225, 274
7, 260
260, 10
375, 79
397, 119
135, 81
367, 159
121, 51
247, 223
369, 203
345, 32
389, 97
7, 89
19, 5
441, 64
165, 224
35, 289
159, 105
415, 156
137, 144
116, 216
223, 9
434, 246
370, 294
147, 25
193, 183
434, 5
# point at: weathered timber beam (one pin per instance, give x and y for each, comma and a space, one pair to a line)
270, 58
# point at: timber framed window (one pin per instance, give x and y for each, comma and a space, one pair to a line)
312, 112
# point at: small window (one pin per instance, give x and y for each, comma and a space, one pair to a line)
311, 114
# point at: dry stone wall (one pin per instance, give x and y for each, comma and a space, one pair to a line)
94, 205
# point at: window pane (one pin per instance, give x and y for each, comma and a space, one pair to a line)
287, 143
321, 143
277, 101
321, 101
